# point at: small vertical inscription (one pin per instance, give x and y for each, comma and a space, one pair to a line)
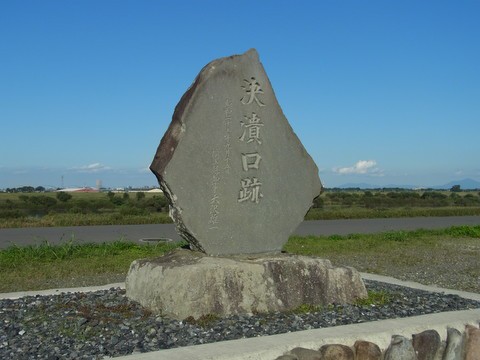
215, 199
228, 131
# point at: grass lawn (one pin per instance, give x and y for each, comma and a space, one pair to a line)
448, 258
48, 266
397, 212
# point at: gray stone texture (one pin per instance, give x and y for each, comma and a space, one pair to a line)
400, 348
454, 347
287, 357
427, 344
186, 283
366, 350
237, 177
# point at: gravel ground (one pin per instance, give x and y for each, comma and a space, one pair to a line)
105, 323
450, 264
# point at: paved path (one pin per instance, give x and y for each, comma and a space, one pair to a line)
27, 236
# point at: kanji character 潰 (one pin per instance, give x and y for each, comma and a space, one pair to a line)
251, 129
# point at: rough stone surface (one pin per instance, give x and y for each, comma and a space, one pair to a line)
287, 357
305, 354
400, 348
426, 344
185, 283
336, 352
472, 343
237, 177
454, 347
366, 350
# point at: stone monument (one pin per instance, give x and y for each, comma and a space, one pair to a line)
237, 177
239, 182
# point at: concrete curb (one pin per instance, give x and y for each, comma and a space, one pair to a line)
415, 285
270, 347
366, 276
17, 295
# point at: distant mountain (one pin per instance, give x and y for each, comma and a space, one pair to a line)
370, 186
465, 184
357, 185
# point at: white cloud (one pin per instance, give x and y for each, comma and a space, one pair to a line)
361, 167
95, 167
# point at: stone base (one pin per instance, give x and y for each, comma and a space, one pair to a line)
185, 283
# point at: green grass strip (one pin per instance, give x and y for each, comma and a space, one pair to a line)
354, 212
360, 243
70, 264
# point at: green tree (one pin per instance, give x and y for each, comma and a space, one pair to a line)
42, 201
63, 196
140, 195
117, 200
27, 189
455, 188
157, 203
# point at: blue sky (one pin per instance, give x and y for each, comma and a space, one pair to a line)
379, 92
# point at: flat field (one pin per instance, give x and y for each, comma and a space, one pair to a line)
77, 209
108, 208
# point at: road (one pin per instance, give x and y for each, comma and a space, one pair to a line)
143, 233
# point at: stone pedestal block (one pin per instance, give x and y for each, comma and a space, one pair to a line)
185, 283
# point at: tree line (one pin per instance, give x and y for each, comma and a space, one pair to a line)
389, 199
27, 204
